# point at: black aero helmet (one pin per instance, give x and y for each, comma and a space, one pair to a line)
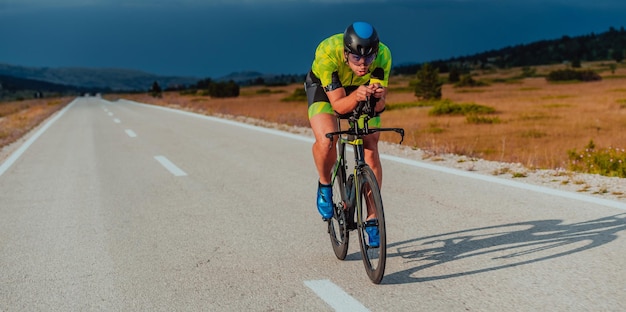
361, 38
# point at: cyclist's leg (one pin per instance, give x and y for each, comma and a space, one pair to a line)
372, 158
322, 119
324, 153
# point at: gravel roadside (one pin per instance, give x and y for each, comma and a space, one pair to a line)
610, 188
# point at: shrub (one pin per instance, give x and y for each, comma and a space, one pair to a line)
454, 75
223, 89
609, 162
299, 94
528, 71
188, 92
405, 105
448, 107
428, 85
155, 90
469, 81
571, 74
476, 119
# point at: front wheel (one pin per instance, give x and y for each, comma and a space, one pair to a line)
373, 251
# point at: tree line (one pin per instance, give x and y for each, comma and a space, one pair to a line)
593, 47
208, 87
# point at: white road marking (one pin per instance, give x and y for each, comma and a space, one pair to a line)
16, 155
116, 120
170, 166
334, 296
131, 133
110, 114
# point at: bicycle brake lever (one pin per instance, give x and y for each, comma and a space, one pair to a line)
401, 132
330, 137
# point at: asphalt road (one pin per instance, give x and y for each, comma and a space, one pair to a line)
115, 206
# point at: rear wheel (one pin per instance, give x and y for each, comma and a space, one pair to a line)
337, 228
374, 256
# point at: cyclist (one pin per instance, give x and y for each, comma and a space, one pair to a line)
348, 68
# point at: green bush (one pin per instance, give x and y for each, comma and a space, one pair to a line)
223, 89
528, 71
477, 119
299, 94
405, 105
469, 81
188, 92
571, 74
155, 90
609, 162
454, 75
427, 84
448, 107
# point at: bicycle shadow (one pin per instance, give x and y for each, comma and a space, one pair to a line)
486, 249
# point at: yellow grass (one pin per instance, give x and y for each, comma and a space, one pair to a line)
19, 117
539, 121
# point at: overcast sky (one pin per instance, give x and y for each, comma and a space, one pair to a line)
214, 38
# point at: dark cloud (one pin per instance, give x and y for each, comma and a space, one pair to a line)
182, 38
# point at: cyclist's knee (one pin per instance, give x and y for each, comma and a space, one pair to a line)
370, 142
321, 124
325, 147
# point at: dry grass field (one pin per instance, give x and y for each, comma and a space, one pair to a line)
538, 122
19, 117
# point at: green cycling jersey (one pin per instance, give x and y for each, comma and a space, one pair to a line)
330, 61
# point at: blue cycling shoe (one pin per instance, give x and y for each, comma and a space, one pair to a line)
371, 227
325, 200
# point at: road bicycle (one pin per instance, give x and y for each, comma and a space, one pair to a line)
357, 195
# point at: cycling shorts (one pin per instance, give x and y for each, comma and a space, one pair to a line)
319, 102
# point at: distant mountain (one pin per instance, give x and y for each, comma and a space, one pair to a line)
94, 78
247, 78
13, 84
14, 88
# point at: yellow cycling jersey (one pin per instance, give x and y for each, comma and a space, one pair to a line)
330, 60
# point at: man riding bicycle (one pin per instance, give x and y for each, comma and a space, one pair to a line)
348, 68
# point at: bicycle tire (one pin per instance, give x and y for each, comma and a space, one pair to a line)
337, 227
374, 258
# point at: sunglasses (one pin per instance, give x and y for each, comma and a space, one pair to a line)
356, 58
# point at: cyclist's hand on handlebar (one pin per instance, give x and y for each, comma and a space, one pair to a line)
363, 92
378, 91
379, 94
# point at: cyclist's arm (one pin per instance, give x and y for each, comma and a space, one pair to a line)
379, 96
380, 78
343, 103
